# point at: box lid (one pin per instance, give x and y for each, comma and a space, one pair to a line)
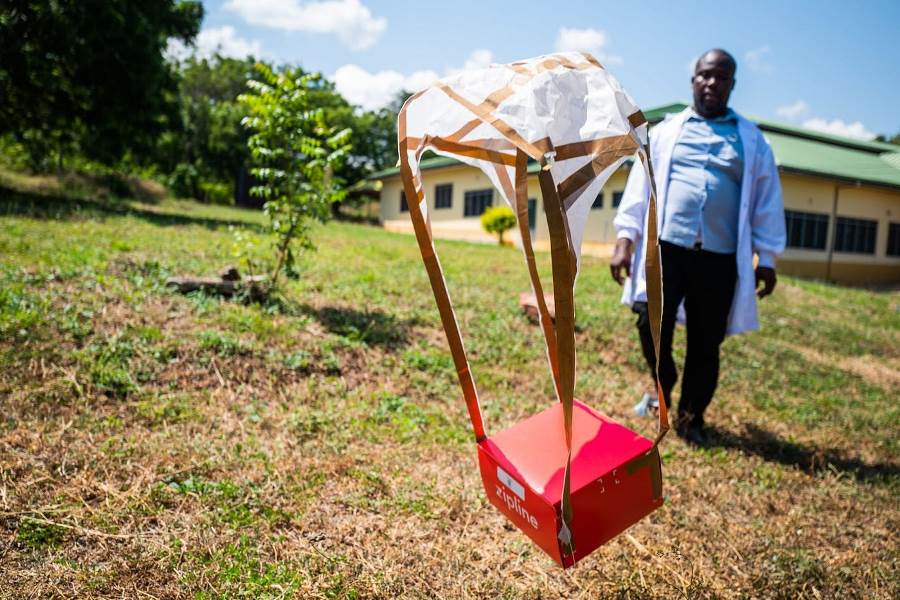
534, 451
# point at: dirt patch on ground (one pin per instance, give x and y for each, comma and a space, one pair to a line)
871, 368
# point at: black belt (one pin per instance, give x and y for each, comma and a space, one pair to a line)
697, 247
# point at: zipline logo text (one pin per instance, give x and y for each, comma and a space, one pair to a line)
512, 500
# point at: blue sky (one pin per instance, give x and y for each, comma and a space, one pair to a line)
829, 65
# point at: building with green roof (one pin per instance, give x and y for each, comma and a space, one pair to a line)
841, 199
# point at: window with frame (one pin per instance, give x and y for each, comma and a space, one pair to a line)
598, 201
443, 195
404, 207
893, 245
617, 199
806, 230
476, 202
855, 235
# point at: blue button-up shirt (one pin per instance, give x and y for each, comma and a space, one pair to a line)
704, 192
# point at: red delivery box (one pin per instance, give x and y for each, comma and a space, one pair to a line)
616, 478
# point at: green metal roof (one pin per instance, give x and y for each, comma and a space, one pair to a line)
809, 156
795, 148
428, 163
657, 114
892, 158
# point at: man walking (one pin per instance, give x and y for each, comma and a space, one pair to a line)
719, 204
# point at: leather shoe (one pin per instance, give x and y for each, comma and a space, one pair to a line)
692, 434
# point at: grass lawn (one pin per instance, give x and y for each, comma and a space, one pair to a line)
317, 446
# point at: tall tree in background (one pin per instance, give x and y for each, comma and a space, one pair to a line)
377, 139
374, 136
895, 139
209, 150
90, 75
374, 139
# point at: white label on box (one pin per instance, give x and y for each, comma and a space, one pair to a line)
506, 479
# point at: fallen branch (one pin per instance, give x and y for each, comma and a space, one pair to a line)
228, 284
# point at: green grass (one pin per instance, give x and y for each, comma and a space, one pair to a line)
316, 444
36, 535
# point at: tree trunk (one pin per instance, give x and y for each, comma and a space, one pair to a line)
282, 254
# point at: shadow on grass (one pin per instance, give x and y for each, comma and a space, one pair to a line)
371, 327
770, 447
56, 207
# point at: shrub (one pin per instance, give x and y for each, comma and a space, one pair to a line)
499, 220
184, 182
216, 193
294, 152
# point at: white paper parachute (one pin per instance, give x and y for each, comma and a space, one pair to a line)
564, 110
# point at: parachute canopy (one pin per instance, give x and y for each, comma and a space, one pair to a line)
562, 110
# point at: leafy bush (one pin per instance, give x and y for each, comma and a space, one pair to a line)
13, 154
184, 182
216, 193
499, 220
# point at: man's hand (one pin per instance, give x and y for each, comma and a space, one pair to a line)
766, 275
621, 259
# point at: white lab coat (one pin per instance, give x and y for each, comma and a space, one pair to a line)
760, 222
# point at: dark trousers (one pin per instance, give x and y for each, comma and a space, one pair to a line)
705, 281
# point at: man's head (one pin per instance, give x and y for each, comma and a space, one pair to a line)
713, 81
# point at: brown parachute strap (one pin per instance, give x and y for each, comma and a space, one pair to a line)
564, 261
438, 283
544, 317
653, 269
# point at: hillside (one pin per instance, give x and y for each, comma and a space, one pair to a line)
317, 446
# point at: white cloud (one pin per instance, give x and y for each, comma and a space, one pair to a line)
216, 40
374, 90
756, 59
793, 111
479, 59
837, 127
799, 109
350, 20
585, 40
